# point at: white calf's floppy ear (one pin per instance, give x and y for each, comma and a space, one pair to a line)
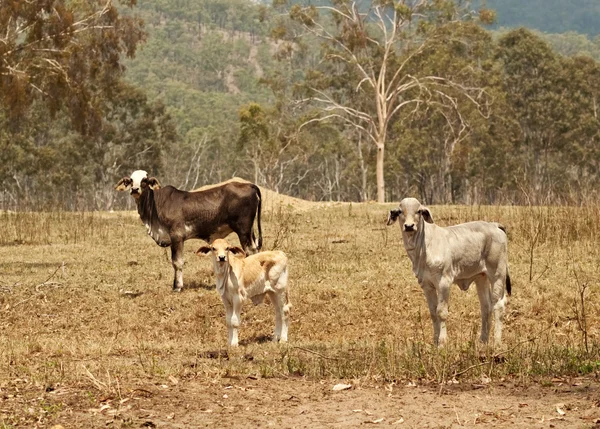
393, 216
123, 184
203, 250
236, 250
426, 214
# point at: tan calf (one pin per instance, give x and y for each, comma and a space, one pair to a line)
253, 277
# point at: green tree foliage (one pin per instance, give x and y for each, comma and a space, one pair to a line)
68, 121
66, 55
449, 154
235, 88
365, 77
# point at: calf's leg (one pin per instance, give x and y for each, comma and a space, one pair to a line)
234, 320
443, 295
282, 314
228, 314
432, 300
498, 302
485, 304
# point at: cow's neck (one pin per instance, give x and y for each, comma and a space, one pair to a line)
146, 205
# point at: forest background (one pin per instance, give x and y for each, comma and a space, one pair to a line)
198, 91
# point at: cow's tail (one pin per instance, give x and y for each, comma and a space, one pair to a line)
508, 283
260, 239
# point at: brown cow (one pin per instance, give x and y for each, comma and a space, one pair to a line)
172, 216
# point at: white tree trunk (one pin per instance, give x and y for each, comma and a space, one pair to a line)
379, 173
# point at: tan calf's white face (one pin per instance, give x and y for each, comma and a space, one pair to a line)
220, 250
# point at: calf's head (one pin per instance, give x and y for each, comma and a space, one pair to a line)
134, 183
410, 213
220, 250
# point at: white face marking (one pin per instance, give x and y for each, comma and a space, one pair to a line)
137, 177
188, 229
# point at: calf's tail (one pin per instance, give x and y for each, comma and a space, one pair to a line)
508, 283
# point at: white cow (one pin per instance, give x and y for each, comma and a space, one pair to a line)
461, 254
238, 278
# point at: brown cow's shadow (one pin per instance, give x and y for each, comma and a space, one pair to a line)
196, 285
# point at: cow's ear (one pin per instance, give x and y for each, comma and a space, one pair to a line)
153, 183
123, 184
237, 250
203, 250
393, 216
426, 214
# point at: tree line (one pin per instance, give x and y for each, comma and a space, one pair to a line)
345, 100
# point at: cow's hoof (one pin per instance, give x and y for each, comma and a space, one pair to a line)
177, 289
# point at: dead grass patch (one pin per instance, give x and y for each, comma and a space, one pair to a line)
86, 303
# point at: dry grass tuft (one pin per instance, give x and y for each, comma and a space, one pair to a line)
86, 302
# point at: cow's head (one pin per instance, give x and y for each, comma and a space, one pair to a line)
410, 212
133, 184
220, 250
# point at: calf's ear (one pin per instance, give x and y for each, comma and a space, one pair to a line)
237, 250
123, 184
203, 250
393, 216
426, 214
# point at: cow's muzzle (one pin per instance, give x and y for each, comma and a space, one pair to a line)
221, 258
409, 227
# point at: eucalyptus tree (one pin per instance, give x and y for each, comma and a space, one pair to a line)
438, 151
537, 90
363, 76
64, 54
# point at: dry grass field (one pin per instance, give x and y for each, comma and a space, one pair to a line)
92, 336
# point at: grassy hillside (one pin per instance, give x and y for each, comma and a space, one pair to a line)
552, 16
203, 59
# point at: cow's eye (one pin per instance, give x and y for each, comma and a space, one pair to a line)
419, 211
213, 249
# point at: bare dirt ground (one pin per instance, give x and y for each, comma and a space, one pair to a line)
299, 403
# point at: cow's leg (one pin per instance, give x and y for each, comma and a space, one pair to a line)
245, 235
498, 302
177, 261
485, 304
432, 301
443, 296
